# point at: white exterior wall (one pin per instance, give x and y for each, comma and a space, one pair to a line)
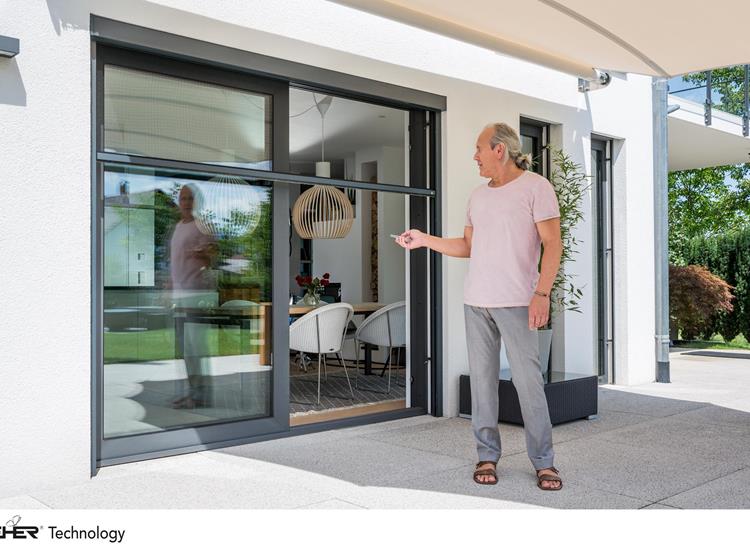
45, 170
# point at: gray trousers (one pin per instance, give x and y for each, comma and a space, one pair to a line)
484, 329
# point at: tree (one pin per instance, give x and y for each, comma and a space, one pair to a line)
701, 204
696, 295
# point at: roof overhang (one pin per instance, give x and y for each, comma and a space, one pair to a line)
657, 38
692, 144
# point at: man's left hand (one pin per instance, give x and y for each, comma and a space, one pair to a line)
538, 311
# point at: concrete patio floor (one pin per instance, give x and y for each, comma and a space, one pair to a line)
653, 446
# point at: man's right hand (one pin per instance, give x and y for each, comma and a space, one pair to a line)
412, 238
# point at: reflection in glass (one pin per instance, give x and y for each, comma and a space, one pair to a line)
349, 135
187, 295
160, 116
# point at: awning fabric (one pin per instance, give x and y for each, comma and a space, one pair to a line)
651, 37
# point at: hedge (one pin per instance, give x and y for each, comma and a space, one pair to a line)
727, 256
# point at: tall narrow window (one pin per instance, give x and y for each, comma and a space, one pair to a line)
534, 140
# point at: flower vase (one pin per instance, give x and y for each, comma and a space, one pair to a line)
311, 299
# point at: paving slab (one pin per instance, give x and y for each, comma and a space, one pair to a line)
725, 492
693, 436
23, 502
202, 483
453, 437
651, 405
516, 488
657, 506
647, 473
357, 460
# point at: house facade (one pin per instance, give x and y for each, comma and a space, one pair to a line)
112, 107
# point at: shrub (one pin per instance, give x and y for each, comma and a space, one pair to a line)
696, 295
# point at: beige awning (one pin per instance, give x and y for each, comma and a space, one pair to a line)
650, 37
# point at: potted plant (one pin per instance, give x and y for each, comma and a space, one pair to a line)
313, 287
570, 183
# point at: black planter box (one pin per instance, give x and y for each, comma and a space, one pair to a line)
570, 396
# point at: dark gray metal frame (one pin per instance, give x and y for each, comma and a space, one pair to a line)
604, 256
184, 51
109, 31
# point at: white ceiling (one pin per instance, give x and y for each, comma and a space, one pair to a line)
349, 126
692, 144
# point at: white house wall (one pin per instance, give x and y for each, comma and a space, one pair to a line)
45, 169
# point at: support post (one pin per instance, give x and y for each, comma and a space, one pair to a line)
708, 103
746, 109
661, 204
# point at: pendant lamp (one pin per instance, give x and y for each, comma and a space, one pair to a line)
323, 212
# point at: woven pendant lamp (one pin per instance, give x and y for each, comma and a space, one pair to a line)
322, 212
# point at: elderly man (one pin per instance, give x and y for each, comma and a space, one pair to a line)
505, 296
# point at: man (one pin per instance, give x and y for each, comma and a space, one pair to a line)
504, 294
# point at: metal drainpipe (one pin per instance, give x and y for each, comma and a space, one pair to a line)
661, 205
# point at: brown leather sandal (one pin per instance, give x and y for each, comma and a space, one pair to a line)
485, 472
548, 477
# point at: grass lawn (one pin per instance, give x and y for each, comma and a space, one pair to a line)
717, 342
156, 345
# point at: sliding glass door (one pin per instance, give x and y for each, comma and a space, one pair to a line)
193, 254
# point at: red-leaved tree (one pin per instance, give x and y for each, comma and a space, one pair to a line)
695, 295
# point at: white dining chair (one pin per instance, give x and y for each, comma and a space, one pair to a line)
321, 331
386, 327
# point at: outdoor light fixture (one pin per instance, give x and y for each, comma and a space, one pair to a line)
9, 47
602, 79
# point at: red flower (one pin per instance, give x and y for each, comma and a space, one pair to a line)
326, 275
325, 282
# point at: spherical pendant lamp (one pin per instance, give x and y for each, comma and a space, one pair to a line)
322, 212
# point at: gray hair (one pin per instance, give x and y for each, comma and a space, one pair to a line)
502, 133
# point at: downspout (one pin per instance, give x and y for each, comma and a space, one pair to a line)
661, 236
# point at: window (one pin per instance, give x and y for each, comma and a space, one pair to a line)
534, 141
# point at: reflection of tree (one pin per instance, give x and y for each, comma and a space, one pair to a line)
253, 245
166, 216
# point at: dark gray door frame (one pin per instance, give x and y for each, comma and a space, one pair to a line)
601, 149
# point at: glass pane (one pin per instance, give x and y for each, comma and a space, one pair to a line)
153, 115
530, 145
368, 270
331, 136
187, 300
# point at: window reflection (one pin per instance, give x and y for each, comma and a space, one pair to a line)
187, 288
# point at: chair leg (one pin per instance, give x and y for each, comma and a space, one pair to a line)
347, 374
318, 379
356, 364
389, 370
325, 370
387, 362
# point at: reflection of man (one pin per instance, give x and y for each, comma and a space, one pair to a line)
191, 252
504, 295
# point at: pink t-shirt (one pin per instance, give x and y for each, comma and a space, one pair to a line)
187, 270
505, 244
